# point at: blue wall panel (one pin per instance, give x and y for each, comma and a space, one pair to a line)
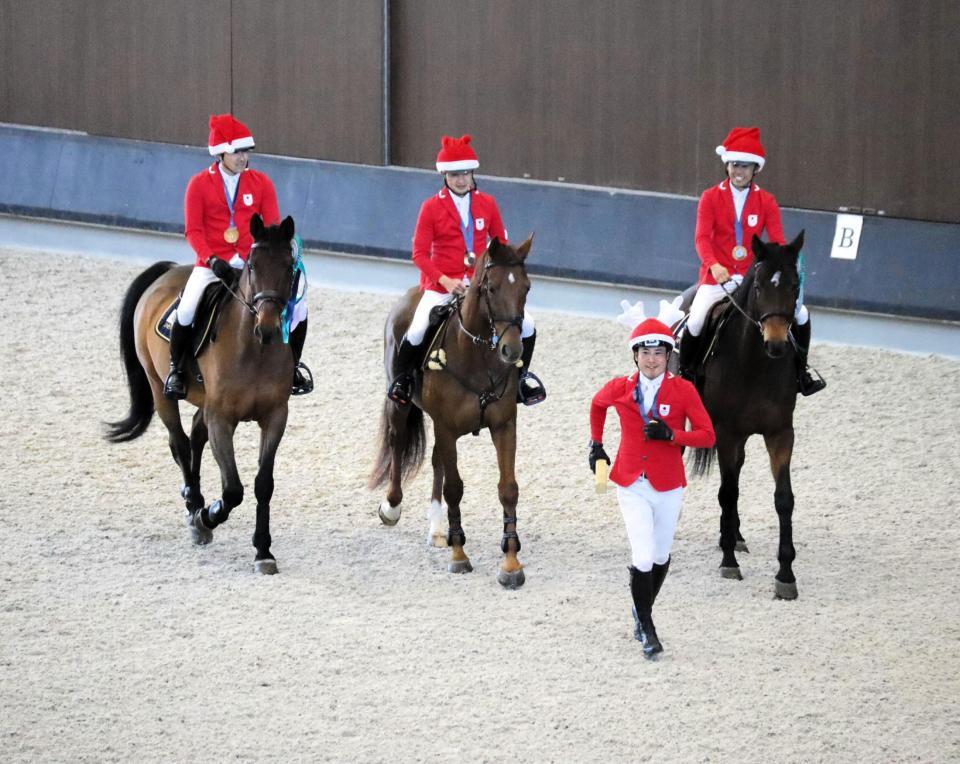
904, 267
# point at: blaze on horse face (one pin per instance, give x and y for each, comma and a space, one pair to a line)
269, 273
776, 283
503, 289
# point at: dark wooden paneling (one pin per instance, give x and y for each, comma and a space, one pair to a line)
140, 70
587, 92
308, 75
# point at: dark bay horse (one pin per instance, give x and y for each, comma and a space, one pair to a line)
246, 372
749, 386
477, 389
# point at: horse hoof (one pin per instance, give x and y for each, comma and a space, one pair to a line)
266, 567
511, 579
741, 547
199, 533
731, 573
459, 566
784, 591
437, 539
389, 515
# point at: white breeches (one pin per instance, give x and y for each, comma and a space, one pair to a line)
201, 278
709, 295
650, 517
429, 299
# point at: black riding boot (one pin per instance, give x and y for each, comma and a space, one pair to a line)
530, 389
689, 356
175, 388
658, 573
641, 587
302, 376
808, 385
401, 389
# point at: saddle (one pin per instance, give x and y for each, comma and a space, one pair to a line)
204, 322
435, 359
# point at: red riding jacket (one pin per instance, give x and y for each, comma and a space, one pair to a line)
438, 242
207, 215
659, 460
716, 237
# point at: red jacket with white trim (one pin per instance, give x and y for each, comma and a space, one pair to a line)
439, 247
207, 214
716, 237
659, 460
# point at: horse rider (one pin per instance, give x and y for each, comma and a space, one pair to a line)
728, 216
218, 206
653, 406
453, 227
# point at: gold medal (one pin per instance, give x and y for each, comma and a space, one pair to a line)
231, 235
739, 253
469, 259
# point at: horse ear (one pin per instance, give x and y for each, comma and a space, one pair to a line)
797, 244
256, 226
493, 246
524, 249
287, 228
759, 250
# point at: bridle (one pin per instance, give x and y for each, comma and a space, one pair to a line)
266, 296
758, 322
493, 341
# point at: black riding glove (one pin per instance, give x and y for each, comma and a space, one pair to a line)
596, 452
221, 268
657, 429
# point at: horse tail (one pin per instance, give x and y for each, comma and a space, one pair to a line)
412, 445
141, 397
703, 460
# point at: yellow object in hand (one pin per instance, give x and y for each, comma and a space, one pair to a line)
600, 475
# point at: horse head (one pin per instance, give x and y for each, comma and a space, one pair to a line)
776, 287
269, 275
499, 293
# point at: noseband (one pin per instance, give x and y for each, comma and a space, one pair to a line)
494, 340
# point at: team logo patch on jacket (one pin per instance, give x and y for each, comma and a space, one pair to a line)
751, 220
248, 199
664, 409
480, 224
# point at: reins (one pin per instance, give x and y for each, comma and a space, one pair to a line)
269, 295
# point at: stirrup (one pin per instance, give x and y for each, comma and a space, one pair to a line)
437, 360
530, 395
173, 388
399, 390
809, 385
302, 379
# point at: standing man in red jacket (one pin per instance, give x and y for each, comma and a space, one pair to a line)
454, 227
654, 406
218, 206
728, 217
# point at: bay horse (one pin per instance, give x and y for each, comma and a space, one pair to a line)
749, 386
476, 389
246, 372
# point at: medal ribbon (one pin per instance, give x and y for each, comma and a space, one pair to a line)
467, 229
230, 200
737, 225
638, 397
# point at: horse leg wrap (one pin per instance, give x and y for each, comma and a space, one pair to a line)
507, 535
456, 537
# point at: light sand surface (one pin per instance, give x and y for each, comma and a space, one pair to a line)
121, 641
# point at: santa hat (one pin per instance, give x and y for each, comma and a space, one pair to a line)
742, 145
649, 332
456, 154
227, 135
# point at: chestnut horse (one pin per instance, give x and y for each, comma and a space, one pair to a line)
246, 372
749, 386
477, 389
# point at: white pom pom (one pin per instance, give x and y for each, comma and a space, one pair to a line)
720, 150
